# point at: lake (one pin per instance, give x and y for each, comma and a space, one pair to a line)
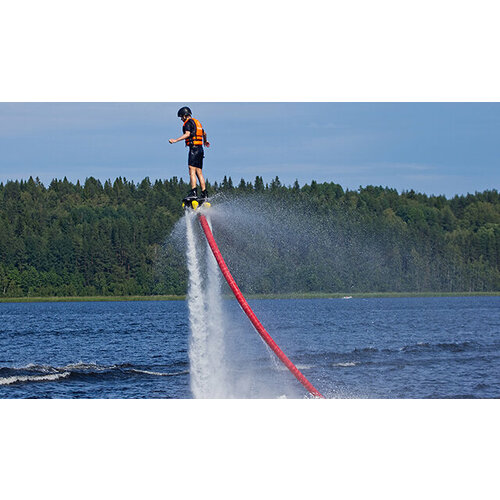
442, 347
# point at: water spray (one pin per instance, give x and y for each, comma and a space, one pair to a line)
249, 312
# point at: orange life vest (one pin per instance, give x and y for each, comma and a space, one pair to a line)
197, 138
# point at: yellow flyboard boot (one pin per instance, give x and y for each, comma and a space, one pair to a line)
188, 201
204, 199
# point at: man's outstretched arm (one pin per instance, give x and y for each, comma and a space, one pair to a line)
184, 136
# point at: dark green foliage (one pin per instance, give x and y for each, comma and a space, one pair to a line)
84, 240
109, 239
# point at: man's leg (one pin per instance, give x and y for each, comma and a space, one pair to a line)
192, 176
199, 174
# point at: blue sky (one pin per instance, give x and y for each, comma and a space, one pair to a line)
435, 148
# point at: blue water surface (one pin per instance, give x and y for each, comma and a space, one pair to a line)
359, 348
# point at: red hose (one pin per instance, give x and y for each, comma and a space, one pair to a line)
251, 315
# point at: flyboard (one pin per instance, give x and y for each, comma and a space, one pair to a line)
195, 203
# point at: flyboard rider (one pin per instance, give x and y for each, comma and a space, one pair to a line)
196, 138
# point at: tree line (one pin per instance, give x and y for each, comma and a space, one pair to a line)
111, 238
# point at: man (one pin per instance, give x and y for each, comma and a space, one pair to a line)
195, 138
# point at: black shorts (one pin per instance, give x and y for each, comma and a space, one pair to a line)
196, 156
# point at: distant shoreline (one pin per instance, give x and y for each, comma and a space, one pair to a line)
311, 295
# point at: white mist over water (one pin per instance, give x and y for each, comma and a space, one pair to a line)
216, 328
206, 319
227, 357
198, 355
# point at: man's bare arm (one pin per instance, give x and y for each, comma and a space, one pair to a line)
184, 136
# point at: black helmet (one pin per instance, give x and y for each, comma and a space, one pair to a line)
185, 111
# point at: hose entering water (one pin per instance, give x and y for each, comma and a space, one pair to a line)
249, 312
